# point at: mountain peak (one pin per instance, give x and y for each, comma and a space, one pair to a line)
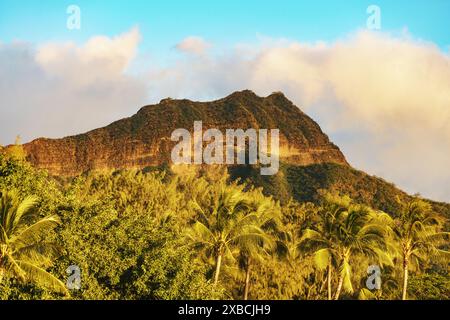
243, 94
143, 139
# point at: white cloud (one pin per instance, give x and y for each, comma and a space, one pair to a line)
100, 59
193, 45
60, 89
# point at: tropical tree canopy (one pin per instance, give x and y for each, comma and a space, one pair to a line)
198, 233
24, 253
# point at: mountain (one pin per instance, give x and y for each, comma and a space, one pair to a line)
309, 163
143, 140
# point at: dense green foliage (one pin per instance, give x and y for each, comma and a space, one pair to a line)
158, 234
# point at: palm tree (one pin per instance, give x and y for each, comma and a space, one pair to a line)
321, 241
23, 252
295, 219
417, 231
345, 230
224, 221
255, 247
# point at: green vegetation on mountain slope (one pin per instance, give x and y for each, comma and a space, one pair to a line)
158, 234
310, 183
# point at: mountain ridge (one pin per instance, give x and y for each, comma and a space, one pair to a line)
143, 139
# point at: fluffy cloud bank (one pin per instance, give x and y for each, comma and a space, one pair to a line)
59, 88
385, 100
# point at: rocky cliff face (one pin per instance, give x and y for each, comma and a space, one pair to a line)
144, 139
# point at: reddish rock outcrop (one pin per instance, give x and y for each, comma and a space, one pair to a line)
144, 139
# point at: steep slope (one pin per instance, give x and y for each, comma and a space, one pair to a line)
311, 182
143, 140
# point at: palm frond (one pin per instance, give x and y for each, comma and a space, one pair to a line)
322, 258
42, 277
25, 208
366, 294
35, 232
345, 272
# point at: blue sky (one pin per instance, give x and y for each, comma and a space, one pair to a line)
165, 23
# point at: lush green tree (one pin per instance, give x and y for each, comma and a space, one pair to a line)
417, 232
129, 247
345, 230
16, 150
24, 253
321, 240
289, 273
224, 220
256, 248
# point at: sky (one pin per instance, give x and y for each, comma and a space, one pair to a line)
379, 86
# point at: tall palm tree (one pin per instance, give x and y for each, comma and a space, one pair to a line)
321, 241
345, 230
24, 254
255, 247
417, 231
224, 220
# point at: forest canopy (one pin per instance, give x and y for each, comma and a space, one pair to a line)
201, 234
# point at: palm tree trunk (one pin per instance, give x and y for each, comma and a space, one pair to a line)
329, 281
308, 292
247, 279
2, 270
405, 277
218, 264
339, 287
